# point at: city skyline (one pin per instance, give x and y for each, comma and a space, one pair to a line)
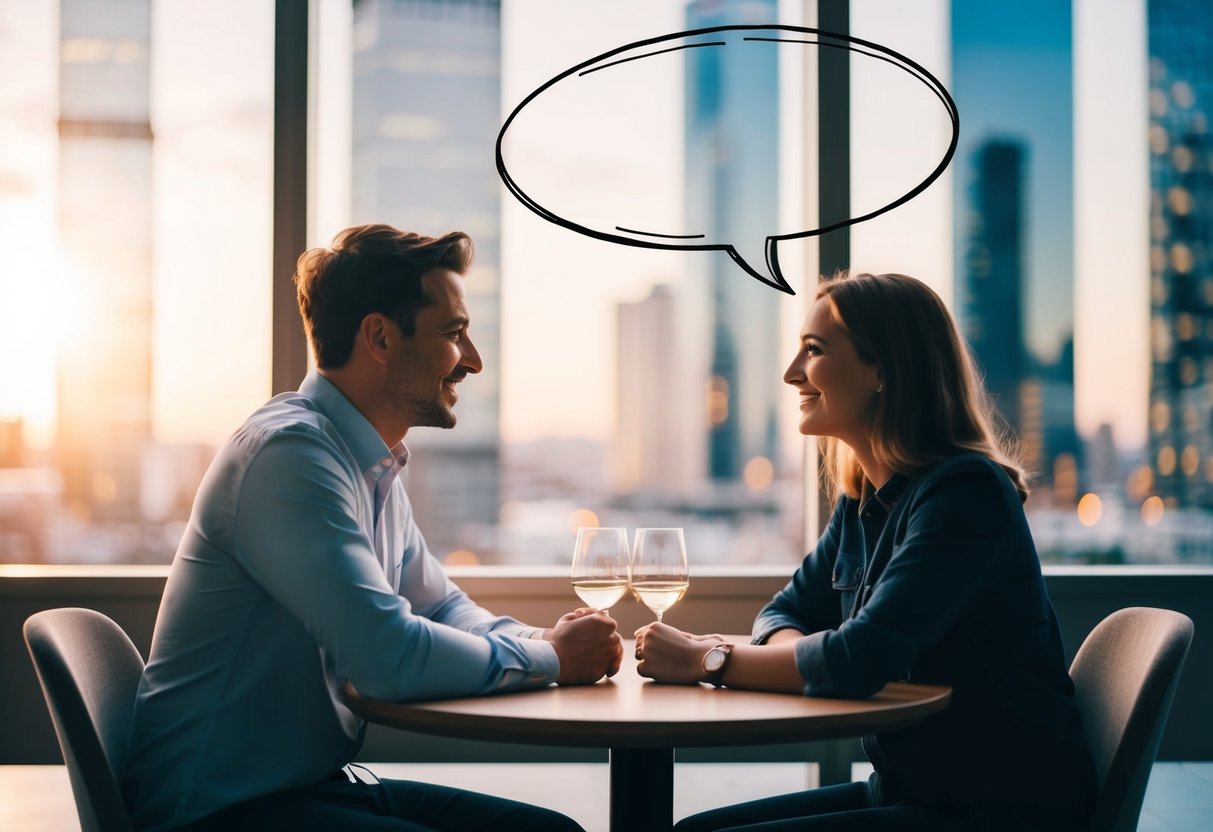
1014, 220
188, 417
562, 372
426, 93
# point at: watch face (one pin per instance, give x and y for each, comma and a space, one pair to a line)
714, 660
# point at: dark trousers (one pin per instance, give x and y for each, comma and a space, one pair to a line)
396, 805
859, 807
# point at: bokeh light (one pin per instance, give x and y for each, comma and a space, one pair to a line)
1152, 511
461, 557
1090, 509
583, 517
758, 473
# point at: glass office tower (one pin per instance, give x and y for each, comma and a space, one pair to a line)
1180, 37
105, 225
732, 193
426, 110
1012, 79
992, 291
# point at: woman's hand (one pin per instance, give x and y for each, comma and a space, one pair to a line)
666, 654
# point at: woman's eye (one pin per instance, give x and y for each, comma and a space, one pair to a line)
812, 349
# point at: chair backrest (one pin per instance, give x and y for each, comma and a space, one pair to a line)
89, 671
1125, 675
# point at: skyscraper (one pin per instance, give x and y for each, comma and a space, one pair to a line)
991, 291
426, 110
732, 193
648, 438
1012, 76
105, 224
1181, 251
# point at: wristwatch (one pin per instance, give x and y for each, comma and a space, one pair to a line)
714, 663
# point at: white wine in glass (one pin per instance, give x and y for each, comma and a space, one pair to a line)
600, 566
659, 568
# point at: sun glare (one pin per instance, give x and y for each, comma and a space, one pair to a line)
45, 314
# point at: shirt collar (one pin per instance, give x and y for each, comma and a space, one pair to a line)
359, 435
887, 495
891, 491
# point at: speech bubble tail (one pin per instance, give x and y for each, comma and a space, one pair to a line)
774, 278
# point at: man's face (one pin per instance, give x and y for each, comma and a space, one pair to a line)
423, 373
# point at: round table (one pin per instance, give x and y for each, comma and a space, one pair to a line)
642, 722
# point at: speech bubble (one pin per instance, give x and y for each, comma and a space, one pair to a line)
576, 82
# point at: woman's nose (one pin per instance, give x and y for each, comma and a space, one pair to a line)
795, 372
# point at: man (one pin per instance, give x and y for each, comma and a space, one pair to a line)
302, 567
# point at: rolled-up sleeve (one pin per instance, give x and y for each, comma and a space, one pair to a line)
297, 534
807, 603
948, 558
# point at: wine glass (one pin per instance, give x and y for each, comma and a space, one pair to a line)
600, 566
659, 568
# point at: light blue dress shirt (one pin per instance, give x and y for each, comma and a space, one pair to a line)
301, 567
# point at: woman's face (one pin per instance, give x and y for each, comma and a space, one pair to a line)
836, 386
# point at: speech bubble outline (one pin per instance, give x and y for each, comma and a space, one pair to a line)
775, 279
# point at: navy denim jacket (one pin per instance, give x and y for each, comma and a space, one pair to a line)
935, 579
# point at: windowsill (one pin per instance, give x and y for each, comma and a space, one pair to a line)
732, 594
83, 570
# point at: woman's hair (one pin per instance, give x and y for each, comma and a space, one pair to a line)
369, 268
933, 403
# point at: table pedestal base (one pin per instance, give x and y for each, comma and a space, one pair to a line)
642, 789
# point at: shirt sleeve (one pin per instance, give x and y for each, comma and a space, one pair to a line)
808, 603
297, 533
528, 659
948, 558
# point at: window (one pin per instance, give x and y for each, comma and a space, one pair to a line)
623, 385
606, 397
1076, 234
134, 196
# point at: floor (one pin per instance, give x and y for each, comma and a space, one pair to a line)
38, 798
1179, 798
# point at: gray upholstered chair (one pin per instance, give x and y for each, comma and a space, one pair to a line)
89, 671
1125, 675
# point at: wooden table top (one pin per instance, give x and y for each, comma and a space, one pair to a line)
628, 711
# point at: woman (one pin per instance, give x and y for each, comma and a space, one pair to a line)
926, 572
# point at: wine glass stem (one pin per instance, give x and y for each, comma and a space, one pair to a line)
659, 612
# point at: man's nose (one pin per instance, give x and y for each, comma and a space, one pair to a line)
471, 356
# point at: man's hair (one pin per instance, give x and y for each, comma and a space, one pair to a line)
369, 268
933, 403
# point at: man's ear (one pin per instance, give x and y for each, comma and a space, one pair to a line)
374, 334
